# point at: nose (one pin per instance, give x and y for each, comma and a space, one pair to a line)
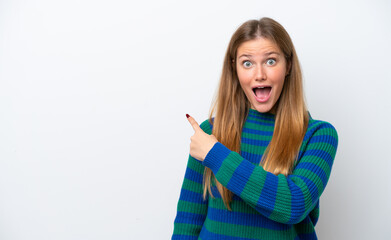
260, 73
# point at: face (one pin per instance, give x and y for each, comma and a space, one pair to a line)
261, 69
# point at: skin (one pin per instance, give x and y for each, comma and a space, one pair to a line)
260, 61
263, 63
201, 142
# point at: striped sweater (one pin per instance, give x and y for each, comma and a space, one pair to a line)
264, 206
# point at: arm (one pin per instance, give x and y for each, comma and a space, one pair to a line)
192, 208
280, 198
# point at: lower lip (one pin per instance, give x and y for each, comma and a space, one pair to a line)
262, 100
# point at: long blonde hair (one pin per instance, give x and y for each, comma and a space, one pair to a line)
231, 105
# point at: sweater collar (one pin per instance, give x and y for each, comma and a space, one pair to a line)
266, 116
259, 116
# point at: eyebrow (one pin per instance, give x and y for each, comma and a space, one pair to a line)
266, 54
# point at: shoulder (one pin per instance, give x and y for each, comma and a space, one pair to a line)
321, 128
207, 125
320, 140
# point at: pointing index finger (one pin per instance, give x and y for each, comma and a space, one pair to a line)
193, 122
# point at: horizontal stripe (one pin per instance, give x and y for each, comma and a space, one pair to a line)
254, 158
190, 218
263, 123
246, 219
314, 168
228, 231
255, 142
183, 237
320, 153
197, 208
186, 231
257, 132
324, 139
206, 235
192, 186
193, 175
261, 116
190, 196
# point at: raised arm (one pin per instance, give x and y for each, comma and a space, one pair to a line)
280, 198
191, 208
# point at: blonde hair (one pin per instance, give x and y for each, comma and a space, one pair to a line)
231, 105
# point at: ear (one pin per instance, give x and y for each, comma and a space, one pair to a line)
233, 63
288, 68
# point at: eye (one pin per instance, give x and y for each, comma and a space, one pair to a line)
246, 63
270, 61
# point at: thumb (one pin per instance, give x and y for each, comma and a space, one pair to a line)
193, 123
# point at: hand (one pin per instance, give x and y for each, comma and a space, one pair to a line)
201, 142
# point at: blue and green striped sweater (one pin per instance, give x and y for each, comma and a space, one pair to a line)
264, 206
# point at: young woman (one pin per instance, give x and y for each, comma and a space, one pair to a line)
257, 168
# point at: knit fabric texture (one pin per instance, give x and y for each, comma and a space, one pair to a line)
264, 206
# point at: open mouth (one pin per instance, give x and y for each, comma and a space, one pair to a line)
262, 92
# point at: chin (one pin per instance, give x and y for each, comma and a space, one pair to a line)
263, 109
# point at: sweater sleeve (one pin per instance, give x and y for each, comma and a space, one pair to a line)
191, 208
285, 199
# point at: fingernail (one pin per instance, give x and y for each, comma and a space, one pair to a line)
187, 115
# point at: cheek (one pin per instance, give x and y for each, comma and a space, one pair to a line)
277, 77
244, 77
244, 82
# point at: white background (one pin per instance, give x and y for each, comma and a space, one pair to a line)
93, 95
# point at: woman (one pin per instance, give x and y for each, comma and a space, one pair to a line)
257, 168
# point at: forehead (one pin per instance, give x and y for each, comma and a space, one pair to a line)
258, 46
